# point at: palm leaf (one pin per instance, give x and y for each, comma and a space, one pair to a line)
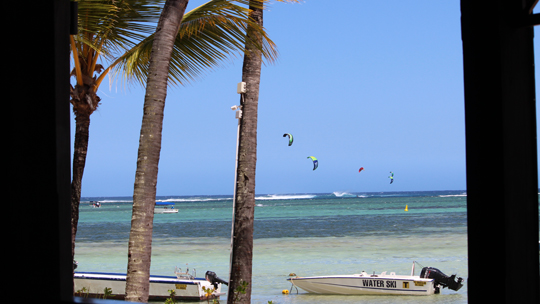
209, 34
111, 27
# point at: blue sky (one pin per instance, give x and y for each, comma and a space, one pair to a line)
373, 84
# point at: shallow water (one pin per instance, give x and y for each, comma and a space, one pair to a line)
319, 235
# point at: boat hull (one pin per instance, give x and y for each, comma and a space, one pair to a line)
358, 284
165, 211
94, 285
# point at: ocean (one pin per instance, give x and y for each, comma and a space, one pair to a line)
305, 234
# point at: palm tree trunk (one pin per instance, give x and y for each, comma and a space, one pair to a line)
82, 124
144, 193
242, 248
85, 102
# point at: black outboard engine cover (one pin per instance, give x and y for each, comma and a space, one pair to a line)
213, 279
441, 278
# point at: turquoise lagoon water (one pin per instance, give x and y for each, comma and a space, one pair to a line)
305, 234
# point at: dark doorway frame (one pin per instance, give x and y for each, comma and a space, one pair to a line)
500, 116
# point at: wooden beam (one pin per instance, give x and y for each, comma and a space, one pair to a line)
530, 20
529, 5
500, 119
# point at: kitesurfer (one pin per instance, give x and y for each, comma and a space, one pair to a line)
315, 162
290, 138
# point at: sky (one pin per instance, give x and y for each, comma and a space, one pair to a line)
373, 84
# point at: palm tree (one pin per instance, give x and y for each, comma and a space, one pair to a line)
144, 194
105, 28
140, 241
244, 200
120, 32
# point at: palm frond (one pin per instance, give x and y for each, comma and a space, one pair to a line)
208, 35
111, 27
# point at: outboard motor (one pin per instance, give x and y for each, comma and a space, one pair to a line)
441, 278
213, 279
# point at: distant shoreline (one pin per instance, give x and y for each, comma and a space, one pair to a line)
338, 194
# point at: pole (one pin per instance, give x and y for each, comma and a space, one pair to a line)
238, 116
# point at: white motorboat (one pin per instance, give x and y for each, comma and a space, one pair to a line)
430, 281
185, 286
165, 208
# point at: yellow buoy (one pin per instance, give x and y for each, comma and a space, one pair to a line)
406, 208
285, 291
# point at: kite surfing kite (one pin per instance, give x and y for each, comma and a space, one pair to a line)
290, 138
361, 169
315, 162
391, 177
